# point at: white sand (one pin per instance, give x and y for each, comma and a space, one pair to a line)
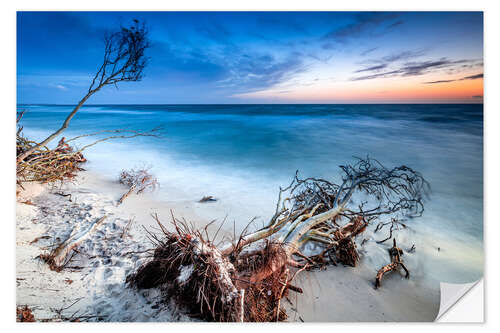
337, 294
107, 257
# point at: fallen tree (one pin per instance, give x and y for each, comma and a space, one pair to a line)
61, 163
124, 61
245, 280
47, 165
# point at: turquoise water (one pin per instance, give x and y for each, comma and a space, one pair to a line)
243, 153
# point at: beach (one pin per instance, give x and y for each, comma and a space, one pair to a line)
98, 284
242, 155
248, 166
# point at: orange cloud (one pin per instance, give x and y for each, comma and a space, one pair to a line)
379, 90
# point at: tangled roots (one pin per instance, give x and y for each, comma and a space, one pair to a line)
47, 165
346, 252
209, 285
195, 274
265, 276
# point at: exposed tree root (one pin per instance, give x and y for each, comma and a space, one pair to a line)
193, 271
395, 253
47, 165
246, 286
36, 162
247, 278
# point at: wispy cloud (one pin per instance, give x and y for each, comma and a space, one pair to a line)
439, 81
418, 68
414, 69
214, 31
473, 77
371, 69
221, 54
365, 23
366, 52
400, 56
250, 73
395, 24
387, 60
470, 77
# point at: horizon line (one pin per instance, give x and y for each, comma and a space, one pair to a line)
387, 103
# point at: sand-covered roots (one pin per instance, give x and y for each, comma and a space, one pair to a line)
194, 273
246, 284
197, 276
47, 165
265, 276
396, 262
246, 280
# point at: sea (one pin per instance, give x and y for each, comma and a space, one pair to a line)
242, 154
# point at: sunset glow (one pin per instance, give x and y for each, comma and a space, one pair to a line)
263, 57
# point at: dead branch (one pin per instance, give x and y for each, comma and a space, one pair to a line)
124, 60
64, 195
126, 194
208, 279
207, 198
57, 259
126, 229
64, 161
395, 253
74, 317
138, 180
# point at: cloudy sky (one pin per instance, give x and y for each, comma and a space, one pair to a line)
259, 57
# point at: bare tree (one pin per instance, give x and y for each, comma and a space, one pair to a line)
257, 266
124, 60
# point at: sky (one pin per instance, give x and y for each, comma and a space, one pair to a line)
258, 57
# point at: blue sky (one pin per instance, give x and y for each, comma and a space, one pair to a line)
259, 57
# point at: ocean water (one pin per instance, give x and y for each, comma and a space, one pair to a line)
241, 154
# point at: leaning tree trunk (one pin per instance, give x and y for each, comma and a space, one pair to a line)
124, 60
52, 136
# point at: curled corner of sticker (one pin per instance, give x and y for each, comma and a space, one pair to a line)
451, 293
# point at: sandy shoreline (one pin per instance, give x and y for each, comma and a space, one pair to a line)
336, 294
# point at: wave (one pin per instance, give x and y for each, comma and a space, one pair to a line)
242, 154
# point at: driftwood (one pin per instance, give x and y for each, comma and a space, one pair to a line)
207, 198
58, 257
138, 180
64, 195
395, 253
126, 194
208, 280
